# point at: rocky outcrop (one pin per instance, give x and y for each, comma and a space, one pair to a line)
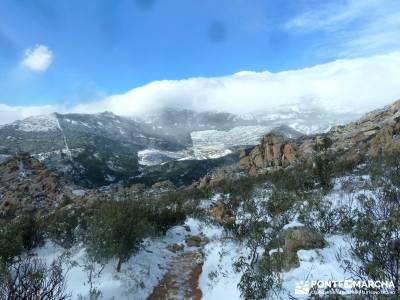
375, 133
213, 180
27, 186
274, 151
164, 185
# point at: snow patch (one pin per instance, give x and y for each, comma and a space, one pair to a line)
40, 123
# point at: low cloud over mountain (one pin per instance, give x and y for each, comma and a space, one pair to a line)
365, 83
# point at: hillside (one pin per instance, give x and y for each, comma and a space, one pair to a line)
99, 149
294, 208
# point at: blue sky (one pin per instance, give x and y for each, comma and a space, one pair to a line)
71, 52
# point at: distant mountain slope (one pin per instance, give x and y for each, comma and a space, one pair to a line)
92, 148
98, 149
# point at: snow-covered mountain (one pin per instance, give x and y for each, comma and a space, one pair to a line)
102, 148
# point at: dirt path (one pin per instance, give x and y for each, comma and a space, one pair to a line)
181, 280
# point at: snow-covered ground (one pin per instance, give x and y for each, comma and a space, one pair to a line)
3, 158
318, 265
137, 278
218, 279
141, 273
152, 157
212, 143
207, 144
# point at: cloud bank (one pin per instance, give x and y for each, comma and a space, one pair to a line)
37, 59
359, 85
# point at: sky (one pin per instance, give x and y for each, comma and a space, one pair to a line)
121, 54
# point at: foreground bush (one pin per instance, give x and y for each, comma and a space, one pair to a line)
164, 213
32, 279
22, 235
376, 230
118, 228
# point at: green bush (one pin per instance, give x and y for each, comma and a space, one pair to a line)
375, 231
323, 171
62, 226
65, 201
22, 235
298, 179
10, 245
117, 230
30, 232
280, 202
260, 281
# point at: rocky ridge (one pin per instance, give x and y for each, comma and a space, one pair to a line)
373, 134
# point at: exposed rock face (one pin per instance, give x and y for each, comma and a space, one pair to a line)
213, 180
375, 133
274, 151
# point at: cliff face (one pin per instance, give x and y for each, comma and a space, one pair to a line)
375, 133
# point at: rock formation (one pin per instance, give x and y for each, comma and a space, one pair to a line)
274, 151
375, 133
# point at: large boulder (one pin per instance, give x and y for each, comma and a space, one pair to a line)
302, 238
196, 240
292, 240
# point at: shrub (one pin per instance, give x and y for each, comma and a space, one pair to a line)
62, 227
117, 230
23, 235
376, 235
298, 179
10, 245
30, 232
32, 279
259, 281
280, 202
323, 171
65, 201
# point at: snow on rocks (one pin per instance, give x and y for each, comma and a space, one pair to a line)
38, 123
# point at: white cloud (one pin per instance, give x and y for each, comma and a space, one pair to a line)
354, 27
9, 114
38, 58
351, 84
360, 84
